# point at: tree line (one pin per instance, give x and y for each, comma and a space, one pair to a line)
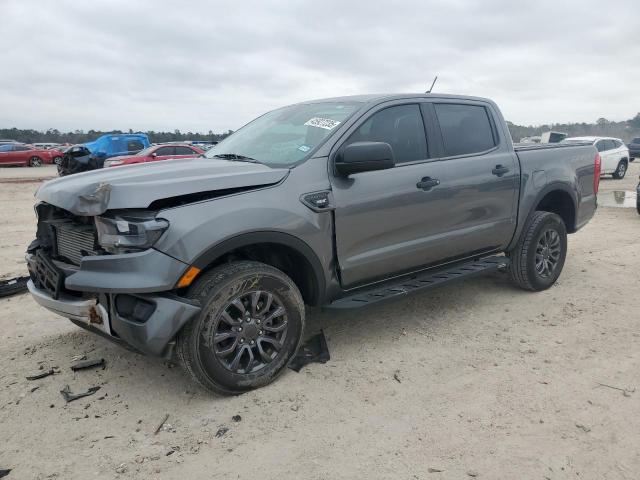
626, 130
80, 136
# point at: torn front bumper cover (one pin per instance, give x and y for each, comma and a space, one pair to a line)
145, 322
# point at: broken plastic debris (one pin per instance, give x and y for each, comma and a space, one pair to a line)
13, 286
83, 364
69, 396
315, 350
40, 375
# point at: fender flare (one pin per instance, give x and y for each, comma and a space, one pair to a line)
252, 238
551, 187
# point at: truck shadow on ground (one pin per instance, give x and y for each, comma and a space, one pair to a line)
426, 313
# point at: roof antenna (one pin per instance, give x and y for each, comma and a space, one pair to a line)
434, 82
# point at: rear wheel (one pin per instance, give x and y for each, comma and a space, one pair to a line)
250, 326
35, 162
538, 258
621, 170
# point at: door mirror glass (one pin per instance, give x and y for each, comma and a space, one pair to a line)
360, 157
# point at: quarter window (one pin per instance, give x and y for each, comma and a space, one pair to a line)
466, 129
401, 127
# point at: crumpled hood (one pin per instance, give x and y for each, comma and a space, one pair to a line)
137, 186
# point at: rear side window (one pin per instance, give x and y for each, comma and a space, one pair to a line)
165, 151
401, 127
601, 146
134, 146
466, 129
184, 151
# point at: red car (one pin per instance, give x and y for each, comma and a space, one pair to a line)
155, 153
25, 155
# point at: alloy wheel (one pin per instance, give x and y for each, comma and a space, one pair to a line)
250, 332
548, 250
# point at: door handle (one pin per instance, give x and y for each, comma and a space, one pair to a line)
427, 183
499, 170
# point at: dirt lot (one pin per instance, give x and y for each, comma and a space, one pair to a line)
491, 381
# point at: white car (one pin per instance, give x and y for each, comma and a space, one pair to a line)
614, 154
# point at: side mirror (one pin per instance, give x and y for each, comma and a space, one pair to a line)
154, 155
364, 157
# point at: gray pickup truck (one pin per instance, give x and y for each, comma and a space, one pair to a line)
338, 203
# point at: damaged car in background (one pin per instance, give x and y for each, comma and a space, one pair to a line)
340, 203
92, 155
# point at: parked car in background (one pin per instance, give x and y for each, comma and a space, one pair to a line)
634, 149
46, 146
26, 155
92, 155
614, 154
155, 153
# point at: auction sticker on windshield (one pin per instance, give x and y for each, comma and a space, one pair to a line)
325, 123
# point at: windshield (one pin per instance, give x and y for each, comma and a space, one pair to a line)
285, 136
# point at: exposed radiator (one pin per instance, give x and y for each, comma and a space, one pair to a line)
75, 241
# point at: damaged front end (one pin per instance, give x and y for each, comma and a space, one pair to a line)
101, 273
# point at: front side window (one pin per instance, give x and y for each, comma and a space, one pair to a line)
285, 136
401, 127
609, 145
466, 129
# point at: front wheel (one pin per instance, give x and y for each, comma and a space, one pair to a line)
620, 171
35, 162
250, 326
57, 160
538, 257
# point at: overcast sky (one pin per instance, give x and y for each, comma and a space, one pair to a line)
200, 66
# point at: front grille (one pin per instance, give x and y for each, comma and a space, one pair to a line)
75, 241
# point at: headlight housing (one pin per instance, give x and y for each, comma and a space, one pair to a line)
129, 232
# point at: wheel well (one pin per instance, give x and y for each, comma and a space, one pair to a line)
560, 203
287, 259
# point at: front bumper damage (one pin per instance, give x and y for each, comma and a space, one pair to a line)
132, 308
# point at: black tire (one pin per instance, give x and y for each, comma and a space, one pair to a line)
621, 170
524, 269
57, 160
35, 161
216, 292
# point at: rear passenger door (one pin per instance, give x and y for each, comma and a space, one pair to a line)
475, 206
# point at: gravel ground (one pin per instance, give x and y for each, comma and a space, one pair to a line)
478, 379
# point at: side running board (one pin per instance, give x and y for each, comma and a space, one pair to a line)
420, 281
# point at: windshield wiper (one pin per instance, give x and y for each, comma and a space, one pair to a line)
236, 157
